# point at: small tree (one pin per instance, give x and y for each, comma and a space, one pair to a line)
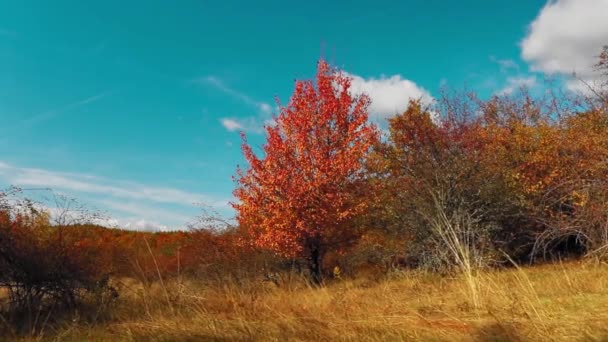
300, 198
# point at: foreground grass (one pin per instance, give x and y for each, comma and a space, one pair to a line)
553, 302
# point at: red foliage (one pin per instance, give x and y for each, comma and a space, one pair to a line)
299, 198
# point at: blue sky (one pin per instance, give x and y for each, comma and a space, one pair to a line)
134, 107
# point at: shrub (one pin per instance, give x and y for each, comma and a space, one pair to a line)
42, 266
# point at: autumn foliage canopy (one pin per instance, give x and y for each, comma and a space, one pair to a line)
300, 197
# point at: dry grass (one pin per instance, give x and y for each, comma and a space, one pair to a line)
553, 302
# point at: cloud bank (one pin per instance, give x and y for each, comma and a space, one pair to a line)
566, 37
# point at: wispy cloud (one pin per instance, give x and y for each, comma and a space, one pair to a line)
518, 82
91, 184
512, 78
128, 201
252, 123
217, 83
232, 124
506, 65
50, 114
249, 124
139, 216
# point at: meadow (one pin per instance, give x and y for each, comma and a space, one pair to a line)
557, 302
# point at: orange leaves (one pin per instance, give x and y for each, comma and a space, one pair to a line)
301, 189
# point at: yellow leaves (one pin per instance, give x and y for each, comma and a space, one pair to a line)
579, 199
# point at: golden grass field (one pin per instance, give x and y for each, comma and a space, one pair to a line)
558, 302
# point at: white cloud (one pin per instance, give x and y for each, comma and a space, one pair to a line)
58, 111
248, 124
148, 226
42, 178
134, 201
252, 124
388, 95
140, 216
518, 82
135, 224
231, 124
505, 64
566, 37
265, 108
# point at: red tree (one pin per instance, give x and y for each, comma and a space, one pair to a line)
300, 198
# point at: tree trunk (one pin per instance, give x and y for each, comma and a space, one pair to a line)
315, 263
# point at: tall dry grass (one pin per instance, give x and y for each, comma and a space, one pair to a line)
559, 302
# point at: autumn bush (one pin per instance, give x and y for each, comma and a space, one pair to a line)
515, 177
44, 268
433, 189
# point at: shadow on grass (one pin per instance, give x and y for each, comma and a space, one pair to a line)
498, 332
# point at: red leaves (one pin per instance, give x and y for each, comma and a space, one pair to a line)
302, 188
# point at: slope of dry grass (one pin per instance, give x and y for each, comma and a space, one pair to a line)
561, 302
